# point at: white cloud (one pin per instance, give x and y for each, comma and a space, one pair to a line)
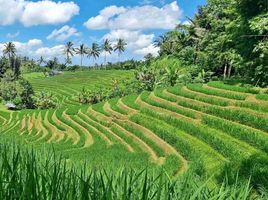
34, 49
27, 48
11, 11
48, 12
13, 35
63, 33
102, 21
50, 52
138, 42
146, 50
146, 2
187, 22
31, 13
135, 18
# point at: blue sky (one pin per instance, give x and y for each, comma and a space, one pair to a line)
41, 28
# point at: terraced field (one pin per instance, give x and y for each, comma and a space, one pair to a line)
198, 127
66, 87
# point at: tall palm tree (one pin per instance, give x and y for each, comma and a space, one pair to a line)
95, 50
160, 41
9, 50
81, 50
69, 52
41, 60
107, 48
120, 47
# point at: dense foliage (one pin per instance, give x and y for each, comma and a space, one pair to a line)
227, 37
18, 92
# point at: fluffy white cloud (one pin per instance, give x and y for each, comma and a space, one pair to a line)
138, 42
48, 12
63, 33
27, 49
32, 13
102, 21
34, 49
49, 53
135, 18
146, 50
10, 11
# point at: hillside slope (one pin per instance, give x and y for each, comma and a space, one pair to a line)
199, 126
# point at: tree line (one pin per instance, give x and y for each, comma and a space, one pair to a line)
70, 50
226, 37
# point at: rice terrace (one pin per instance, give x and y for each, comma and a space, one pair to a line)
134, 100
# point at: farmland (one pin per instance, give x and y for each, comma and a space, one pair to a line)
193, 127
66, 87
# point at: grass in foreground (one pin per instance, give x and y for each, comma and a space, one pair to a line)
25, 174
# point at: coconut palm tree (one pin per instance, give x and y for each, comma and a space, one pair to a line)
81, 50
95, 50
69, 52
160, 41
41, 60
9, 50
107, 48
120, 47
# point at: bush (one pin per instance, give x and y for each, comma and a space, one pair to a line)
18, 92
92, 97
44, 100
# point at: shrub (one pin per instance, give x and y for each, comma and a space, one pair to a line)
44, 100
92, 97
18, 92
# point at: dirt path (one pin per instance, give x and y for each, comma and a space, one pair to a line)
88, 137
110, 132
136, 139
72, 133
168, 149
114, 114
41, 129
229, 101
100, 134
57, 135
129, 110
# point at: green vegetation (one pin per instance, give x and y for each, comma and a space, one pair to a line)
187, 124
182, 130
26, 174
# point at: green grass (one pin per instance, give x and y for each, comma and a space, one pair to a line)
262, 97
221, 85
66, 86
214, 92
218, 130
30, 175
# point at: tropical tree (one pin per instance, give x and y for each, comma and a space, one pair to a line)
107, 48
160, 41
69, 52
120, 47
41, 60
81, 50
95, 50
9, 50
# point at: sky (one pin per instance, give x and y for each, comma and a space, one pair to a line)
42, 27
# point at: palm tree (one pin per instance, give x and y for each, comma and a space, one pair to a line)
107, 48
160, 41
82, 50
41, 60
9, 50
95, 50
69, 52
120, 47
